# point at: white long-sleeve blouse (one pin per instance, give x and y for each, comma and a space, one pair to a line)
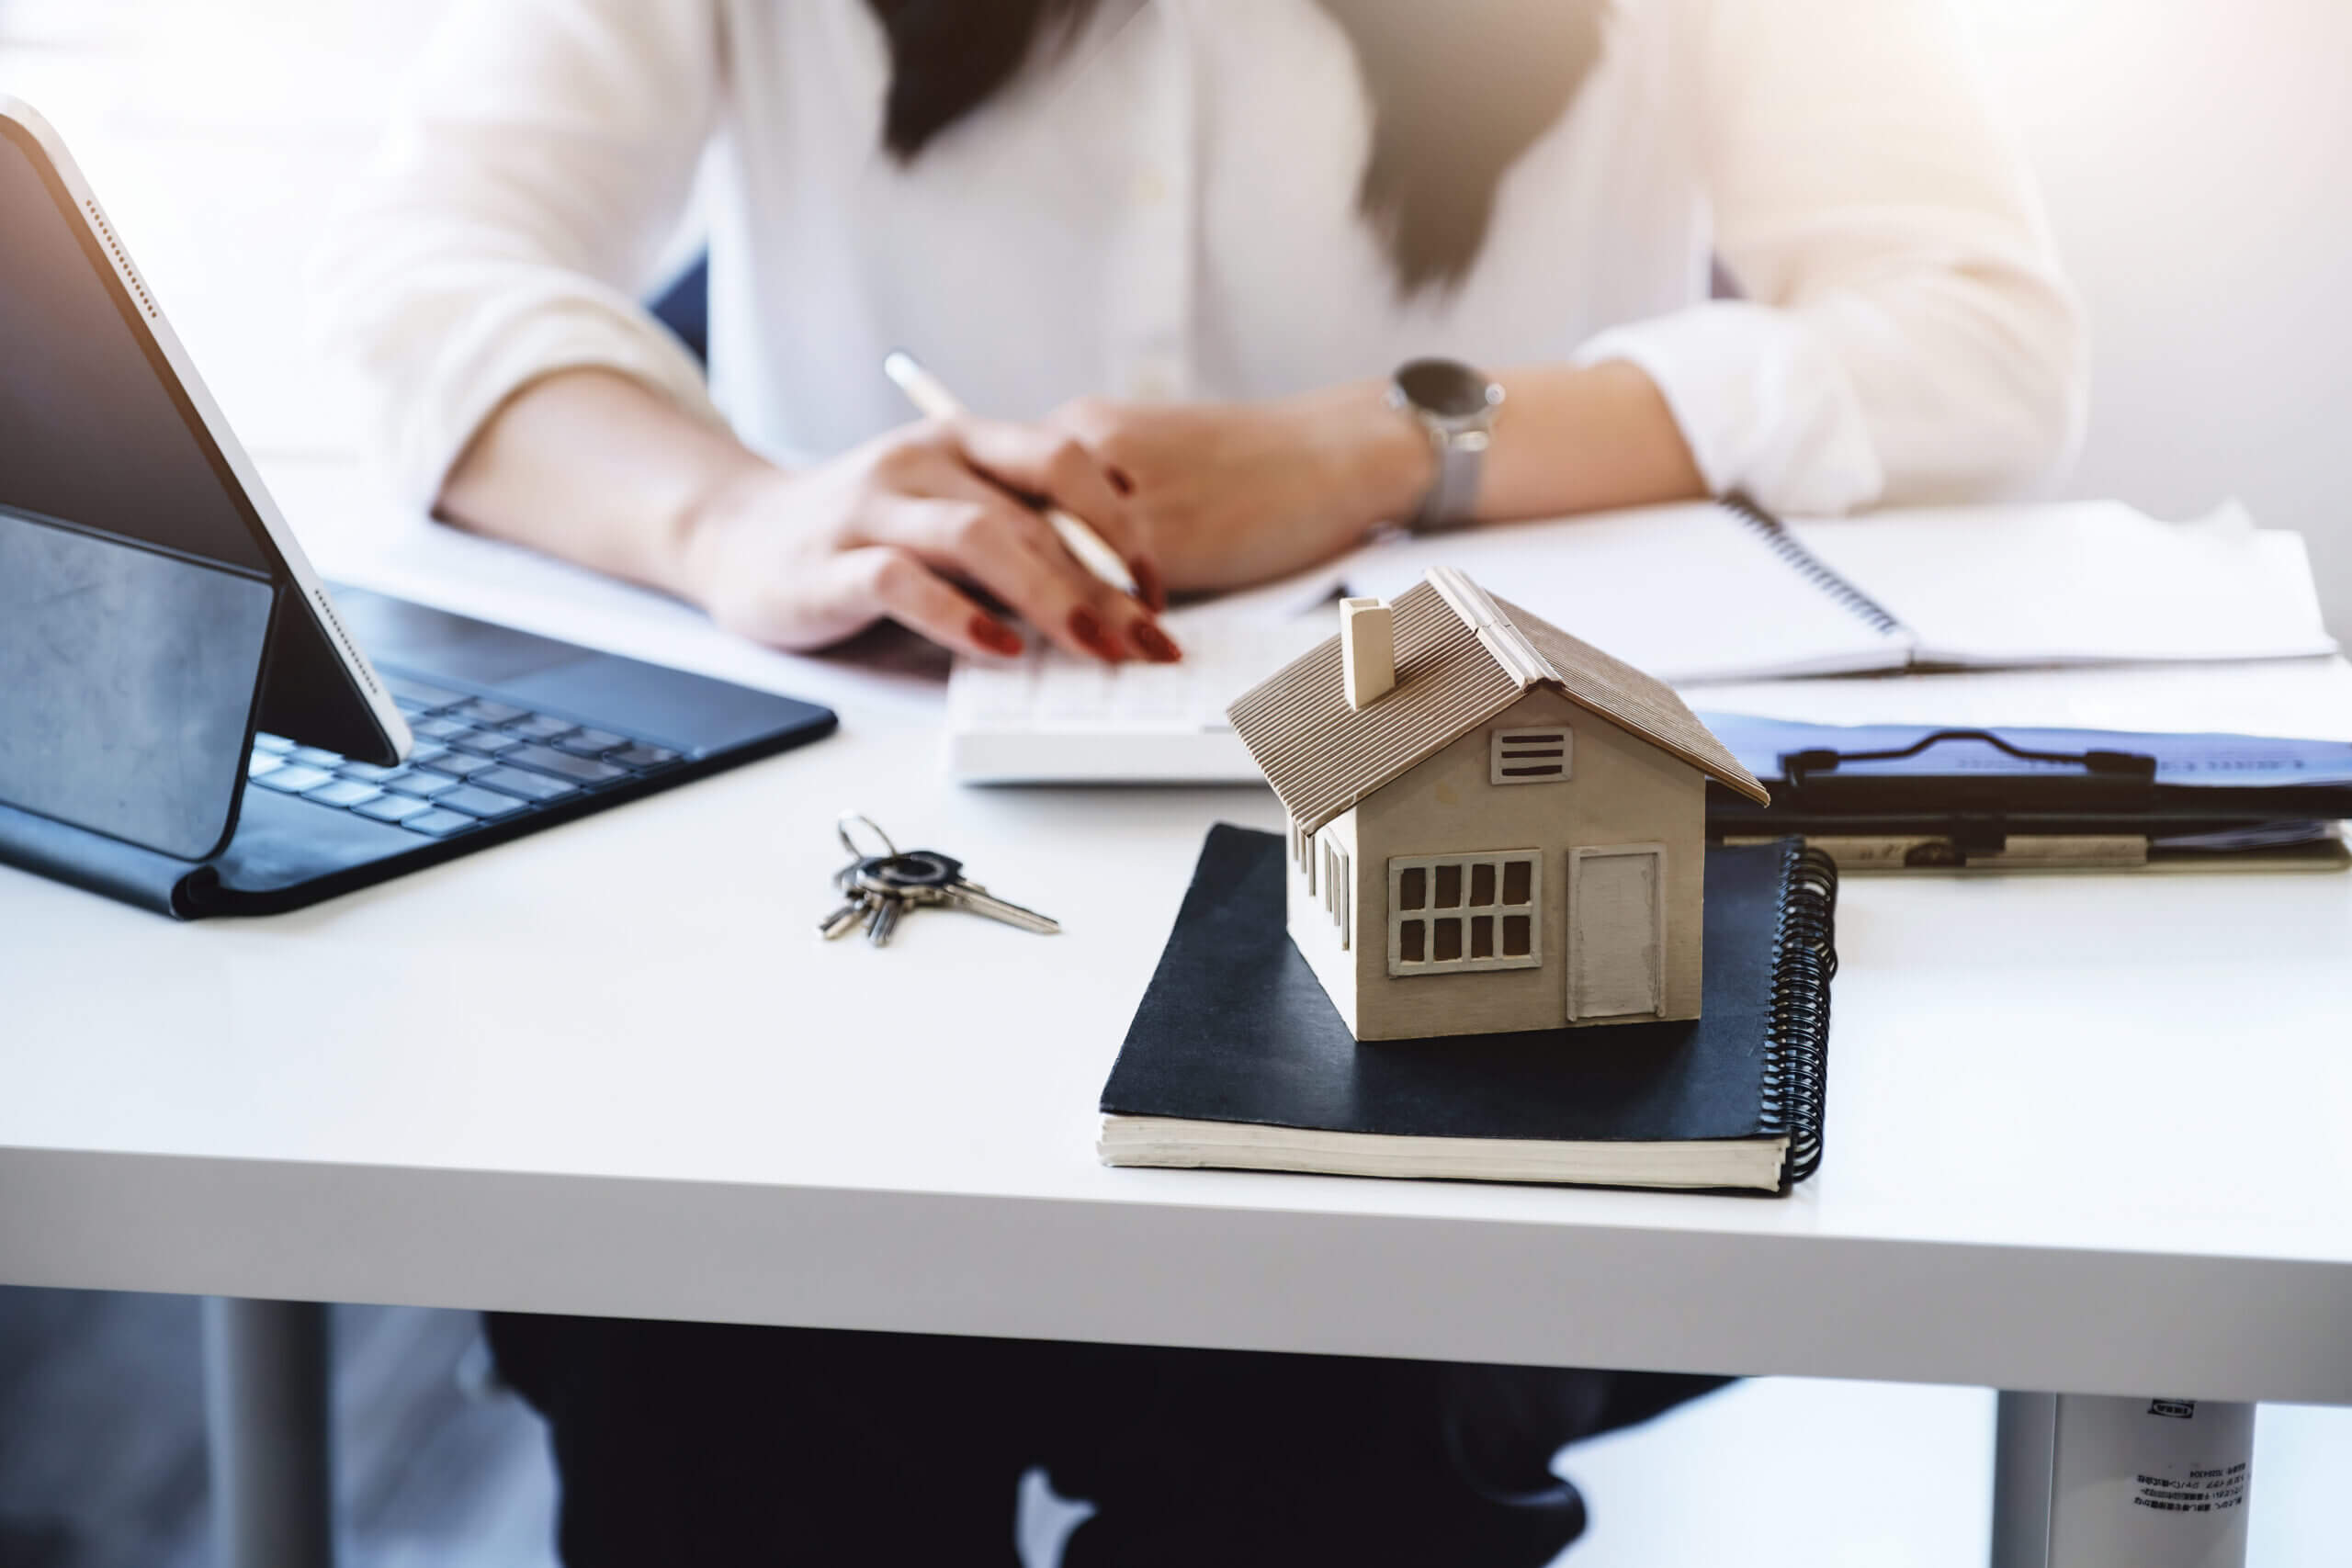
1167, 209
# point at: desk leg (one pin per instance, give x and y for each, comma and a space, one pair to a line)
2083, 1480
2023, 1428
265, 1416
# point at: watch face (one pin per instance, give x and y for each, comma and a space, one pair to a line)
1446, 388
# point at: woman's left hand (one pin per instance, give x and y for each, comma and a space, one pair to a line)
1229, 495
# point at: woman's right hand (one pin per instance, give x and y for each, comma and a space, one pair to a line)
905, 527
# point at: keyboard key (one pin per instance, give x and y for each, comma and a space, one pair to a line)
438, 823
342, 792
400, 686
1074, 692
277, 743
441, 728
423, 783
580, 770
392, 807
414, 710
530, 786
479, 802
366, 772
317, 756
539, 726
483, 742
425, 752
293, 778
641, 756
482, 710
592, 742
459, 764
261, 763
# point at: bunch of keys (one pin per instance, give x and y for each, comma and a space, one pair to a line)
882, 888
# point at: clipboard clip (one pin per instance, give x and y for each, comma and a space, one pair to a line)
1977, 805
2105, 766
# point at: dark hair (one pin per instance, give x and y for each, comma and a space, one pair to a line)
1458, 90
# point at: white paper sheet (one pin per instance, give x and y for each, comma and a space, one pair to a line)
2083, 582
1686, 593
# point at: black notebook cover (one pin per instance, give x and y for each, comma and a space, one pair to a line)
1235, 1027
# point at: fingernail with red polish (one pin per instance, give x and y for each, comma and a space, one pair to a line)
995, 636
1089, 631
1148, 588
1156, 644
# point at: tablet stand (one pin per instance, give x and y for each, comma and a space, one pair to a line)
129, 679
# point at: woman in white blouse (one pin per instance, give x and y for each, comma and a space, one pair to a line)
1176, 250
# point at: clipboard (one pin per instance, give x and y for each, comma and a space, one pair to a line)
1917, 796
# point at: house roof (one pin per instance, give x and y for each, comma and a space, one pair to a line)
1462, 658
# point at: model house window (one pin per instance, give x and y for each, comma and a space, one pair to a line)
1530, 756
1449, 914
1301, 852
1335, 889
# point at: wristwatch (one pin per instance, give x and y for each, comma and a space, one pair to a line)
1455, 404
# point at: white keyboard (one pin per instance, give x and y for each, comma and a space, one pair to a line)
1048, 717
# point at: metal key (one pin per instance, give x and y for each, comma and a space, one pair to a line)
928, 877
839, 922
880, 888
862, 908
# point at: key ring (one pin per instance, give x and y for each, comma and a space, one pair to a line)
841, 826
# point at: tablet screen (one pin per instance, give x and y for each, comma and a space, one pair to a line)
93, 429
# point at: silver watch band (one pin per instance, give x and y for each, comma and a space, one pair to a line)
1453, 496
1454, 404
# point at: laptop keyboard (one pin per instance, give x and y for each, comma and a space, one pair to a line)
476, 760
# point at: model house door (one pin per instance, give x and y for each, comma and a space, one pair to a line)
1616, 930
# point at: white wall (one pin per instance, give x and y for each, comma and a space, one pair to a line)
2197, 158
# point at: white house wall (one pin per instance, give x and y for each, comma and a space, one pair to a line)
1624, 791
1314, 928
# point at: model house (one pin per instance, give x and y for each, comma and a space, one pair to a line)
1493, 826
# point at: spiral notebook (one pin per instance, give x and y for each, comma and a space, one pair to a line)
1724, 592
1237, 1058
1690, 593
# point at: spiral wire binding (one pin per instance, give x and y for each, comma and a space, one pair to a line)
1812, 567
1805, 957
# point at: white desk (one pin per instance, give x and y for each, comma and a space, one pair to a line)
2084, 1134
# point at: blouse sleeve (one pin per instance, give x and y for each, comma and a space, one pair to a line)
1905, 333
540, 163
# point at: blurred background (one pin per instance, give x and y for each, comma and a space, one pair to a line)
2196, 156
2197, 160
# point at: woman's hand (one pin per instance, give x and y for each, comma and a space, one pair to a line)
1229, 495
904, 527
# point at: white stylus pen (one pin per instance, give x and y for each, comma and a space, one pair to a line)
930, 396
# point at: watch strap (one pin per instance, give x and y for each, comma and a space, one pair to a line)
1452, 495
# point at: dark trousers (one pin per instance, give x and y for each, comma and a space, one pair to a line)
692, 1443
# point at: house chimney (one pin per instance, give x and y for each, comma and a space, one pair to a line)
1367, 649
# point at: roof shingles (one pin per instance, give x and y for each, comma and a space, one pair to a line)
1462, 658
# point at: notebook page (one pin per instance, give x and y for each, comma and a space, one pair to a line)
1691, 592
2079, 582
